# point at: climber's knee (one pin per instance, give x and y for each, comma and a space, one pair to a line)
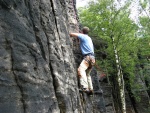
79, 72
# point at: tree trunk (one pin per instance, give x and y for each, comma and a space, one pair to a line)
120, 80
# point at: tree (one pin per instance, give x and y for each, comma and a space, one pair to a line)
144, 41
112, 22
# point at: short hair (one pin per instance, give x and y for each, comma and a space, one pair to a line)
85, 30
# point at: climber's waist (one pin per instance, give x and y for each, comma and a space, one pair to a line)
89, 54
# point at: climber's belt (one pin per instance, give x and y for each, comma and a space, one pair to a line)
89, 54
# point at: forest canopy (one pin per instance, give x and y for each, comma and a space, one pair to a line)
127, 40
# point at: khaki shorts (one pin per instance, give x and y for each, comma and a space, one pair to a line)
84, 72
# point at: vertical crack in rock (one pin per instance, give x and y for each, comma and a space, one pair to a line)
41, 45
16, 78
53, 76
54, 12
6, 3
36, 29
55, 85
59, 95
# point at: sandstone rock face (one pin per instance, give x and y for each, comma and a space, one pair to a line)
37, 67
38, 61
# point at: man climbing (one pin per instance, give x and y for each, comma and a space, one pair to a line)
87, 49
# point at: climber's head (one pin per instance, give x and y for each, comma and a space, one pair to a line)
85, 30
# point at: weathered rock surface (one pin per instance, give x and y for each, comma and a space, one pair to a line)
38, 61
37, 67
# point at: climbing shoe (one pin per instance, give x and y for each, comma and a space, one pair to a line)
89, 92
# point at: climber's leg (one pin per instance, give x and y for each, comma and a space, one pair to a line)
82, 74
89, 80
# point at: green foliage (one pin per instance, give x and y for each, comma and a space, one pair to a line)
107, 20
144, 48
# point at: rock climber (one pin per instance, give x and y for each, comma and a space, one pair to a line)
85, 67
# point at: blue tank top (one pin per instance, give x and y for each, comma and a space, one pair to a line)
86, 44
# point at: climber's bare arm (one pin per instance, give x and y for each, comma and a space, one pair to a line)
74, 34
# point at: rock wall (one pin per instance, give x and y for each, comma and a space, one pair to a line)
38, 59
37, 67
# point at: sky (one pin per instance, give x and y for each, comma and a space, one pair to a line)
81, 3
